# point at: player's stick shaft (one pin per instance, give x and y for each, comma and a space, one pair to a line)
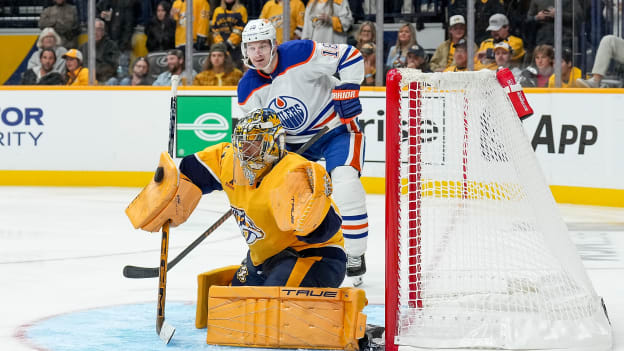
164, 330
152, 272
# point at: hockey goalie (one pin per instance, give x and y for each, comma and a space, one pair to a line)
296, 259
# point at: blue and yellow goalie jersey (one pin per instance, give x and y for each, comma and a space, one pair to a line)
290, 208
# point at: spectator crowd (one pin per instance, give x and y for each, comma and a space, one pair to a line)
142, 42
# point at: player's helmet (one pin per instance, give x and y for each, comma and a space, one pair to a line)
256, 30
259, 143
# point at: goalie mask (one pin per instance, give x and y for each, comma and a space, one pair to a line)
258, 30
259, 144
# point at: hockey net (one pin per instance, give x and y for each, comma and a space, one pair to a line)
477, 254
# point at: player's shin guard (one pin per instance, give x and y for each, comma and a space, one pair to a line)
350, 197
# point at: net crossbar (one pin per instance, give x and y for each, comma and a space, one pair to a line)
478, 255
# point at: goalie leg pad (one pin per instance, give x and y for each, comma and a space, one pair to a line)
169, 196
284, 317
220, 276
350, 198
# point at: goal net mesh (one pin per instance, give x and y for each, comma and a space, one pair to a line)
484, 259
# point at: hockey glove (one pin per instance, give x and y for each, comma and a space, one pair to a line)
347, 101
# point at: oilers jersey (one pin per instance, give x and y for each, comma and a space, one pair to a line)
213, 169
300, 87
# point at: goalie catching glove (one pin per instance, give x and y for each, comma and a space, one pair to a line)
169, 196
347, 101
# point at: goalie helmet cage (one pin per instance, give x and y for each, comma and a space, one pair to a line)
477, 255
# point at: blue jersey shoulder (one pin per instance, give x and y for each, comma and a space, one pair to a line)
292, 53
250, 81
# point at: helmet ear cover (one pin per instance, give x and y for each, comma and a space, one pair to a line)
259, 143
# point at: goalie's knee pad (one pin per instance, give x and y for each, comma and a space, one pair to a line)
169, 196
350, 198
286, 317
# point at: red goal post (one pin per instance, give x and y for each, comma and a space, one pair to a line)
477, 255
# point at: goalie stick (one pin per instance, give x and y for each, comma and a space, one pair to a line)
135, 272
165, 330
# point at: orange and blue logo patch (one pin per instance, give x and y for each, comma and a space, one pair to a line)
291, 111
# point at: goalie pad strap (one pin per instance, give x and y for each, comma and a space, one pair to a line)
301, 268
270, 316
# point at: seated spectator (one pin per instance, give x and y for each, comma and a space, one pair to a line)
460, 58
569, 73
357, 10
76, 73
48, 39
218, 69
443, 56
541, 19
227, 25
201, 23
140, 74
273, 11
120, 18
483, 10
537, 76
106, 53
44, 74
327, 21
63, 18
160, 30
417, 58
367, 33
175, 65
499, 28
397, 55
502, 55
368, 54
610, 48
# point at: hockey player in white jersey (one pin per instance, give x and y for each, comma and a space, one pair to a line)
297, 80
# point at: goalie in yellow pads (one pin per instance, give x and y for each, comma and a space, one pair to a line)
281, 202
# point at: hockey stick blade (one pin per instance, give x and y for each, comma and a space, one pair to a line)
166, 332
135, 272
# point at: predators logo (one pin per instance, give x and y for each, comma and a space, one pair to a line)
242, 273
250, 231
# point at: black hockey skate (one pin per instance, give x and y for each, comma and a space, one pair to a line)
356, 267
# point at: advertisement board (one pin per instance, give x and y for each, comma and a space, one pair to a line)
575, 136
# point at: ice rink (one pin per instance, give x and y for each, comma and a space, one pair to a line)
63, 249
